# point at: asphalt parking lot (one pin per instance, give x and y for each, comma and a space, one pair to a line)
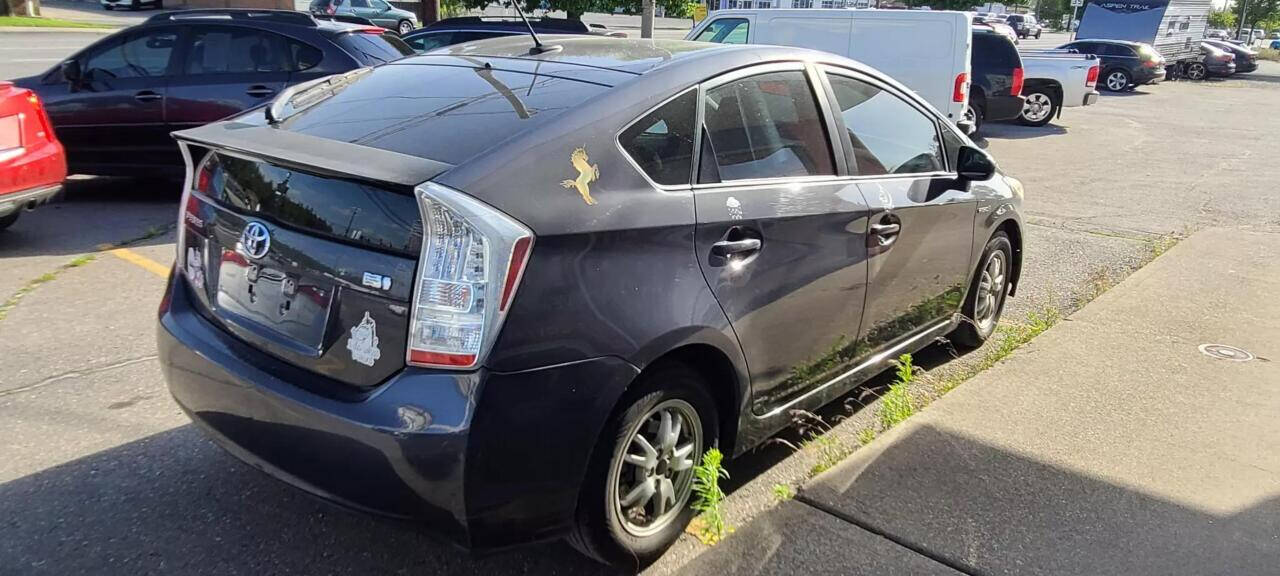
102, 474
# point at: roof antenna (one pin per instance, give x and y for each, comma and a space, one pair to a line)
538, 46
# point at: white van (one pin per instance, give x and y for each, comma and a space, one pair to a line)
928, 51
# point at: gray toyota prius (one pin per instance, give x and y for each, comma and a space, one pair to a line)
515, 292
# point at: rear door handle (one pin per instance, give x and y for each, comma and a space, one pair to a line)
886, 229
147, 96
259, 91
726, 248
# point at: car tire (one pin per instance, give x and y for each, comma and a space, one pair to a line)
1040, 107
1116, 80
8, 221
1197, 71
108, 7
404, 27
985, 302
1038, 32
603, 529
975, 114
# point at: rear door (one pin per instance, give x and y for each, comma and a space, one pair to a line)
226, 69
780, 233
921, 214
114, 117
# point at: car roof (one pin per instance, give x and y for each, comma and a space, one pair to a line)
630, 55
267, 19
1108, 41
506, 23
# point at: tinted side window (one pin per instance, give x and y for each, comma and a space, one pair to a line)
137, 55
359, 3
996, 51
767, 126
239, 50
725, 31
888, 135
661, 142
428, 42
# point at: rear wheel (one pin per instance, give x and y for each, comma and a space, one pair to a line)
974, 115
1039, 108
635, 498
405, 27
8, 221
987, 293
1116, 80
1038, 34
1197, 71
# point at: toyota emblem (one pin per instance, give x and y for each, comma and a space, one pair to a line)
255, 240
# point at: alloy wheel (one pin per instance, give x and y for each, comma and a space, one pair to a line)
654, 477
405, 28
1037, 107
1196, 71
990, 289
1116, 81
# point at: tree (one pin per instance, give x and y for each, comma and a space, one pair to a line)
576, 8
1223, 19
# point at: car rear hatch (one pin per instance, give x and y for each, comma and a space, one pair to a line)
302, 234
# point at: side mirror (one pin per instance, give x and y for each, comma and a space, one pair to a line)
71, 71
975, 164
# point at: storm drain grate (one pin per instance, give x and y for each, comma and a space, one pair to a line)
1224, 352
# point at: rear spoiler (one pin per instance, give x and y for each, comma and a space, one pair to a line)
332, 158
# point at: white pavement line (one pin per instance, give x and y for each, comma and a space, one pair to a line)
77, 374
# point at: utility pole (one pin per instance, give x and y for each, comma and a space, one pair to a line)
1244, 9
428, 11
646, 19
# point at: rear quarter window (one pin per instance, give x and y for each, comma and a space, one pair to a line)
661, 142
372, 49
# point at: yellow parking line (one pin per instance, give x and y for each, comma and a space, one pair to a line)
137, 259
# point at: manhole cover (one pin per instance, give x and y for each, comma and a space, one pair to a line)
1224, 352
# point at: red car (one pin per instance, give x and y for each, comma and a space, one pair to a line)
32, 162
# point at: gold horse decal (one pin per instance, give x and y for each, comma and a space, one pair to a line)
587, 173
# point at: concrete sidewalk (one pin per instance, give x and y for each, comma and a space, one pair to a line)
1109, 445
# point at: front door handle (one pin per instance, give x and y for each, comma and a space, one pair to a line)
147, 96
885, 229
259, 91
727, 248
882, 234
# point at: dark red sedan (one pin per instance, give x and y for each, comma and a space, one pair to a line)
32, 162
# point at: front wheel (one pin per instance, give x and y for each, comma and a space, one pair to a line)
1038, 109
405, 27
987, 293
1038, 32
634, 501
1197, 71
8, 221
1117, 80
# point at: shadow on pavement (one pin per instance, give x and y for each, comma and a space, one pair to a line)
174, 503
92, 212
985, 510
1020, 132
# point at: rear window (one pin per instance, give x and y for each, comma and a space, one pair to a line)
372, 49
995, 52
445, 113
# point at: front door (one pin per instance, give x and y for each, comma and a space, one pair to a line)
112, 119
226, 69
920, 234
781, 236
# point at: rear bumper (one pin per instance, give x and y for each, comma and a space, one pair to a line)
999, 108
34, 170
487, 459
1222, 69
10, 203
1090, 98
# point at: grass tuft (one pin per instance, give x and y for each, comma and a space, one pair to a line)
830, 452
866, 435
711, 526
896, 405
39, 22
783, 492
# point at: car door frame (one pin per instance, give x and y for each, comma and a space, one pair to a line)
911, 340
178, 70
755, 425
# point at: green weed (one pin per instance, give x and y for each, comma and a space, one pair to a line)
830, 452
866, 435
896, 405
783, 492
710, 497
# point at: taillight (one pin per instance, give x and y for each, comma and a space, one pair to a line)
331, 9
962, 87
1091, 79
46, 127
1227, 57
1016, 90
472, 259
371, 30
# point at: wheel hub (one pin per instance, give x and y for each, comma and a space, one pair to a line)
653, 478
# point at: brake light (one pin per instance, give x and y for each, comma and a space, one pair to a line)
962, 87
1091, 79
331, 9
1226, 57
473, 257
373, 30
37, 107
1016, 90
204, 178
1150, 63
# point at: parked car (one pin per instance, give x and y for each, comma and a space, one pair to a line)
1217, 34
933, 60
1054, 80
452, 31
519, 326
1124, 64
380, 12
32, 163
1275, 45
1025, 25
996, 92
114, 103
997, 25
1172, 28
1215, 62
1246, 59
131, 4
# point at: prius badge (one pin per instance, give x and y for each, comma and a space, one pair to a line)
255, 240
